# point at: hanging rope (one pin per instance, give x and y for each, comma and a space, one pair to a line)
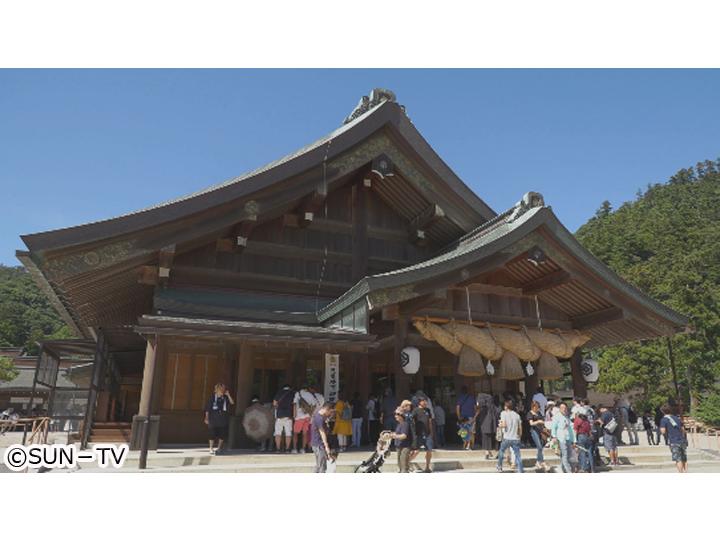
467, 296
325, 236
537, 313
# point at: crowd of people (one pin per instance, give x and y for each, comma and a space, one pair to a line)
500, 425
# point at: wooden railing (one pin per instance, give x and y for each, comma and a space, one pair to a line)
696, 429
37, 425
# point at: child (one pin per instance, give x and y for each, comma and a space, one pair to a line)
647, 426
466, 427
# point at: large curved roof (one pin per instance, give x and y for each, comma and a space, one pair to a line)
388, 114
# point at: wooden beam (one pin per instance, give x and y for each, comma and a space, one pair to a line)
507, 320
148, 275
165, 261
486, 288
578, 381
391, 312
550, 281
238, 239
312, 205
434, 299
422, 222
597, 318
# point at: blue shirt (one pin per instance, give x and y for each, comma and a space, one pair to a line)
403, 428
467, 405
674, 433
316, 424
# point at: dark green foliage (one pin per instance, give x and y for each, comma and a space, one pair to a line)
708, 410
26, 316
8, 371
667, 243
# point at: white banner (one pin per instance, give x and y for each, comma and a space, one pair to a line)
590, 370
332, 376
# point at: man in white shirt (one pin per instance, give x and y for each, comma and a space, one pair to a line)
541, 399
512, 432
305, 403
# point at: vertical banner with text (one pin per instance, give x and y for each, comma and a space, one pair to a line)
332, 376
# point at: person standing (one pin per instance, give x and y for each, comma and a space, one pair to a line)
609, 427
539, 396
562, 432
439, 425
536, 421
387, 410
631, 424
487, 421
511, 434
402, 439
283, 405
217, 417
658, 418
372, 407
423, 432
305, 403
583, 432
671, 427
465, 406
343, 421
357, 419
319, 437
647, 426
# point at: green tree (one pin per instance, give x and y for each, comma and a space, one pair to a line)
26, 315
8, 371
667, 243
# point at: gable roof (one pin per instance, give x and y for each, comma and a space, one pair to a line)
503, 235
387, 114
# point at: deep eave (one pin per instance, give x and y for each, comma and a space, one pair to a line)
387, 114
499, 236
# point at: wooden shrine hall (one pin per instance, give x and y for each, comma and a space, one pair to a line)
349, 246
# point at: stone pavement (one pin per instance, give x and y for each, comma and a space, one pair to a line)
641, 458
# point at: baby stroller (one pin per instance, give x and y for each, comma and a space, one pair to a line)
374, 463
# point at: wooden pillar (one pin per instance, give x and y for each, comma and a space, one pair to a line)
148, 378
359, 235
579, 383
244, 378
299, 368
363, 375
402, 380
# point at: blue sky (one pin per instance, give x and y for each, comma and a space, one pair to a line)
84, 145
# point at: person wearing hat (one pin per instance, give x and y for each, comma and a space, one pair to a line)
403, 440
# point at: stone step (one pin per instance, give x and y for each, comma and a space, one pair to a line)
280, 462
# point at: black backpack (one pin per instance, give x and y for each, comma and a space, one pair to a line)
632, 416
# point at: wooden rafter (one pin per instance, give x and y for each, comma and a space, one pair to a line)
549, 281
418, 227
597, 318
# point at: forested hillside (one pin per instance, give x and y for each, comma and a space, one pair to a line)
25, 314
667, 242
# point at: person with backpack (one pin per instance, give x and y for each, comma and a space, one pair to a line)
585, 443
609, 427
343, 421
510, 429
671, 426
305, 403
283, 405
